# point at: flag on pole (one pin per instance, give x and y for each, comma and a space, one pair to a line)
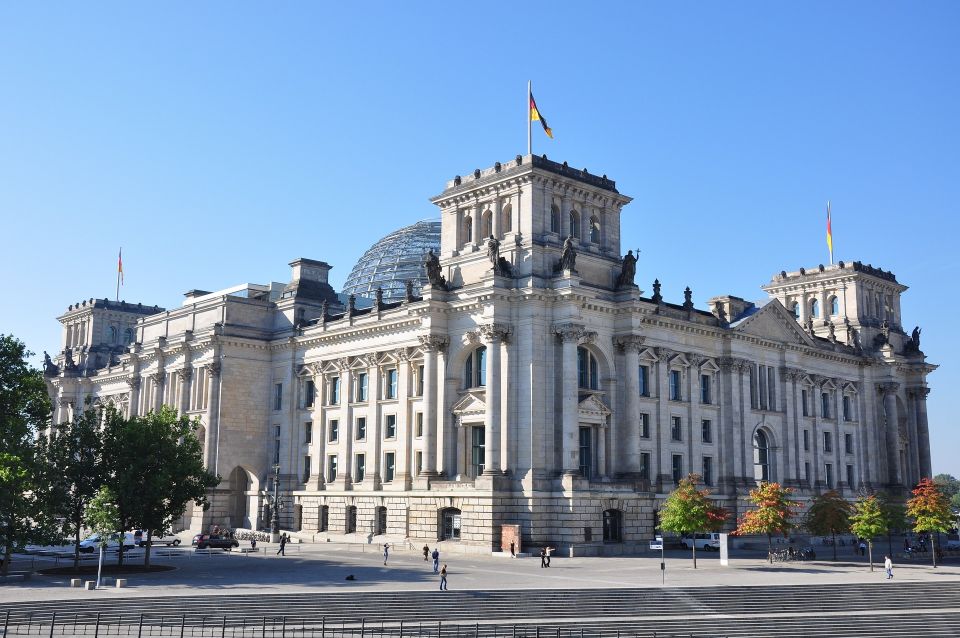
120, 266
536, 117
829, 234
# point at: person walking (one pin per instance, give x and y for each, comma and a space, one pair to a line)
386, 552
253, 544
549, 551
863, 548
443, 578
543, 557
513, 549
283, 545
436, 560
888, 567
426, 553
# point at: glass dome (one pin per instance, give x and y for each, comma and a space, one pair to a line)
390, 262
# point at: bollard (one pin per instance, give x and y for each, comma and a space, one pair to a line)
121, 582
89, 585
53, 623
76, 582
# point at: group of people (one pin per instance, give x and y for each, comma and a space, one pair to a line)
435, 555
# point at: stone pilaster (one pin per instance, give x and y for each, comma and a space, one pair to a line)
888, 392
493, 336
569, 334
431, 344
627, 427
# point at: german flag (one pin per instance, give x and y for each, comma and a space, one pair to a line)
536, 117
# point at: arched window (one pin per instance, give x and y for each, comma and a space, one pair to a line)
814, 308
475, 369
486, 224
612, 526
834, 306
506, 219
351, 522
467, 229
761, 457
114, 334
575, 224
595, 230
554, 218
588, 370
128, 334
795, 309
380, 521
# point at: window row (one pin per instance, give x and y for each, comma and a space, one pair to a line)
389, 388
847, 405
676, 428
833, 304
675, 385
574, 227
486, 225
828, 442
360, 428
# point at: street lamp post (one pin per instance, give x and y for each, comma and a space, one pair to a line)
276, 505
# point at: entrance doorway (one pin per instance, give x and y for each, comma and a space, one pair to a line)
450, 524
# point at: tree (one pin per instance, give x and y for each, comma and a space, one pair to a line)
24, 412
157, 469
688, 510
103, 517
868, 521
772, 516
829, 515
895, 513
930, 512
950, 487
76, 450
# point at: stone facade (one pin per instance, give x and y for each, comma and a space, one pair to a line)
535, 385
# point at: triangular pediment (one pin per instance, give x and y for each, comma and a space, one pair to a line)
774, 322
470, 403
592, 410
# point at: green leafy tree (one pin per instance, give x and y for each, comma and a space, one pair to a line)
773, 514
75, 449
688, 510
829, 515
103, 517
930, 512
868, 520
950, 487
895, 513
24, 412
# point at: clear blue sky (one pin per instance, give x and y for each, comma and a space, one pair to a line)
217, 141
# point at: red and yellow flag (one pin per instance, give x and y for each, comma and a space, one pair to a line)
829, 233
120, 266
535, 116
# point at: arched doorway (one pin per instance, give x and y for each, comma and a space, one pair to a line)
240, 488
761, 457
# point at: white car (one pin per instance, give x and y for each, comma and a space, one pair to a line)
708, 541
168, 539
92, 543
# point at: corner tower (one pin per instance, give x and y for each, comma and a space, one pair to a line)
530, 205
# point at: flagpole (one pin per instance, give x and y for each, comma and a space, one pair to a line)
830, 226
529, 121
119, 266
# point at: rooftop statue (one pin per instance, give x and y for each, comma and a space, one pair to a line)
432, 263
568, 257
628, 269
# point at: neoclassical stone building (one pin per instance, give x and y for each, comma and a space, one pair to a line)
529, 382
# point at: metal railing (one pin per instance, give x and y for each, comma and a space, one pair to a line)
184, 626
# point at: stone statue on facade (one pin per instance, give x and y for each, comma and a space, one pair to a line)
628, 270
50, 369
68, 363
432, 263
915, 336
501, 267
568, 256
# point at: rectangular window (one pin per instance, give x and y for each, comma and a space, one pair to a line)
418, 428
389, 466
762, 386
848, 443
806, 471
360, 467
417, 463
705, 394
851, 483
361, 390
828, 470
706, 431
804, 402
644, 425
676, 428
754, 395
277, 396
334, 391
586, 453
390, 387
390, 427
333, 431
825, 405
644, 381
276, 452
306, 469
707, 471
806, 440
309, 393
331, 468
477, 452
847, 412
677, 467
827, 442
419, 381
308, 432
361, 428
771, 388
675, 394
645, 466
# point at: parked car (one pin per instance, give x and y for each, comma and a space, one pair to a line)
164, 538
92, 543
952, 545
708, 541
205, 541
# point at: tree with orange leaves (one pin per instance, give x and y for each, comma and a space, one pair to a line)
772, 516
930, 511
688, 510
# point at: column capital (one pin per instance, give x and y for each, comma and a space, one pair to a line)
158, 378
185, 373
664, 354
432, 343
213, 369
492, 332
695, 360
632, 343
889, 388
791, 374
568, 331
133, 383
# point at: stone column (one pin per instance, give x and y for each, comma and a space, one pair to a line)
665, 478
402, 458
211, 442
569, 335
493, 336
159, 380
564, 216
788, 378
923, 433
374, 425
477, 214
804, 311
186, 385
346, 423
134, 403
430, 344
495, 218
319, 470
817, 442
891, 432
628, 443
